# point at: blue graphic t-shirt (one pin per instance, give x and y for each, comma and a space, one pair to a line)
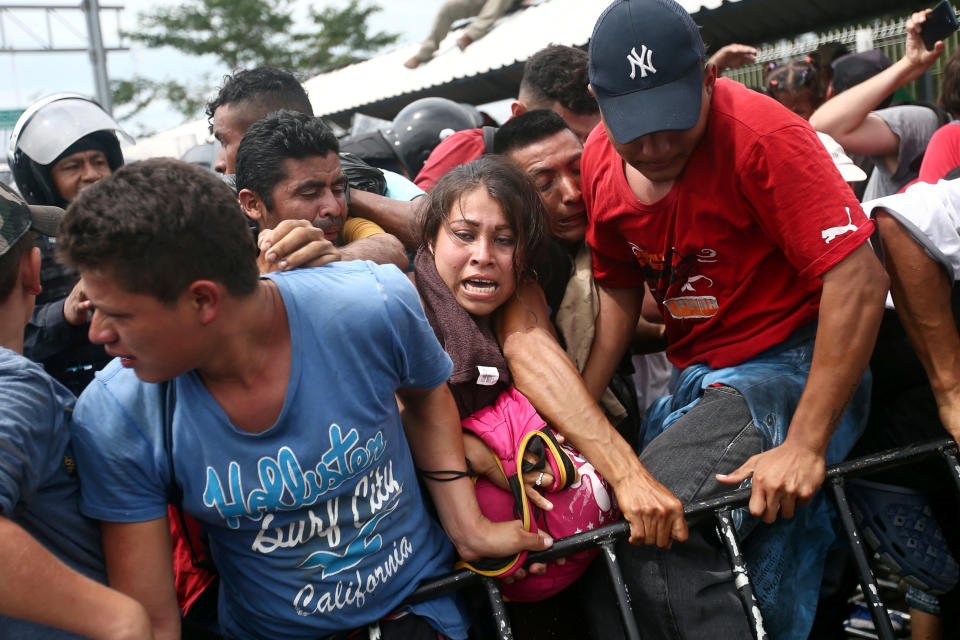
317, 524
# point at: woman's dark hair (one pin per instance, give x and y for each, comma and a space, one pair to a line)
950, 88
792, 77
506, 185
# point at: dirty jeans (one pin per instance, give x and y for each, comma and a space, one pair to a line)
688, 591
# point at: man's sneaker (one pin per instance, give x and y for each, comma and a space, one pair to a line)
860, 620
899, 525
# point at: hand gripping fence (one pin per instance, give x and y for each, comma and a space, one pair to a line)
720, 507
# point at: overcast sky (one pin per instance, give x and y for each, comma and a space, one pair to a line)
28, 76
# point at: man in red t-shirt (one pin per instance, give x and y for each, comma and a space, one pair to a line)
554, 78
730, 210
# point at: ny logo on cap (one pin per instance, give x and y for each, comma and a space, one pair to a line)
640, 61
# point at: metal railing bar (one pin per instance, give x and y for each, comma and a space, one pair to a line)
741, 577
890, 458
945, 447
501, 620
871, 592
953, 466
609, 554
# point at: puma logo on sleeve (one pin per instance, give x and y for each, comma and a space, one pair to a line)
830, 234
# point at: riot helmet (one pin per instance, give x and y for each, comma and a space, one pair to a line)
47, 129
421, 125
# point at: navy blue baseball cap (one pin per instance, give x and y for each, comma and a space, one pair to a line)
646, 68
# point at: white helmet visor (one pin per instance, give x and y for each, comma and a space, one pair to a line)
53, 127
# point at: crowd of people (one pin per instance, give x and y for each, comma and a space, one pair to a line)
271, 400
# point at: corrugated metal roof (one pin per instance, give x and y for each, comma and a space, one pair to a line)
493, 64
490, 68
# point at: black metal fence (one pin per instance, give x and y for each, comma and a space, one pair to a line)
719, 508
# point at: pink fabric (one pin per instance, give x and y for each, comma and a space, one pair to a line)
585, 504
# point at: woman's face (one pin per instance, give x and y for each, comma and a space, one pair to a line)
474, 252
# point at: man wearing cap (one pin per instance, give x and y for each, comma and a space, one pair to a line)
728, 207
52, 575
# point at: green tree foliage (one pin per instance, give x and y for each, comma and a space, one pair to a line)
244, 34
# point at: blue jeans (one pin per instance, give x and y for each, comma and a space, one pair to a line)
700, 430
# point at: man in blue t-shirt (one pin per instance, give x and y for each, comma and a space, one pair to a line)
271, 403
52, 573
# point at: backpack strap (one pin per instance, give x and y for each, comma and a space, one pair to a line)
488, 133
168, 391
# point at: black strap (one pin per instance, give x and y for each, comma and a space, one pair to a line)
168, 390
488, 133
447, 475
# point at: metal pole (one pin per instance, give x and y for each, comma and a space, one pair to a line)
741, 578
620, 588
500, 618
98, 57
881, 618
953, 465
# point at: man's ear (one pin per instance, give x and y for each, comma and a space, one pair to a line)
517, 108
710, 72
30, 271
252, 205
831, 91
205, 297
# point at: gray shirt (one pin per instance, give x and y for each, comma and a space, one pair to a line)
913, 125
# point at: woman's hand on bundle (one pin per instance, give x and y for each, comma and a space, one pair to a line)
484, 462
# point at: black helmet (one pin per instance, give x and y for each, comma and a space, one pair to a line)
49, 127
421, 125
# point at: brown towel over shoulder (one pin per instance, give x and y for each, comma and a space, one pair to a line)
480, 372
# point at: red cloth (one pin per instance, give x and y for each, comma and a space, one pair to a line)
734, 252
942, 155
454, 150
191, 581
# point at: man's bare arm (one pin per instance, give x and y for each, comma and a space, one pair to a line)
846, 117
544, 373
921, 290
432, 425
36, 586
397, 217
382, 248
851, 307
616, 327
140, 564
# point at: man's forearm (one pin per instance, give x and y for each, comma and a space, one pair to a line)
139, 559
846, 111
544, 373
37, 586
382, 248
851, 307
921, 290
432, 427
397, 217
615, 328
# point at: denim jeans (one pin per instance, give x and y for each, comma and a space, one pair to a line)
688, 591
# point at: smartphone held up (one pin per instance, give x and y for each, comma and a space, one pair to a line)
940, 23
